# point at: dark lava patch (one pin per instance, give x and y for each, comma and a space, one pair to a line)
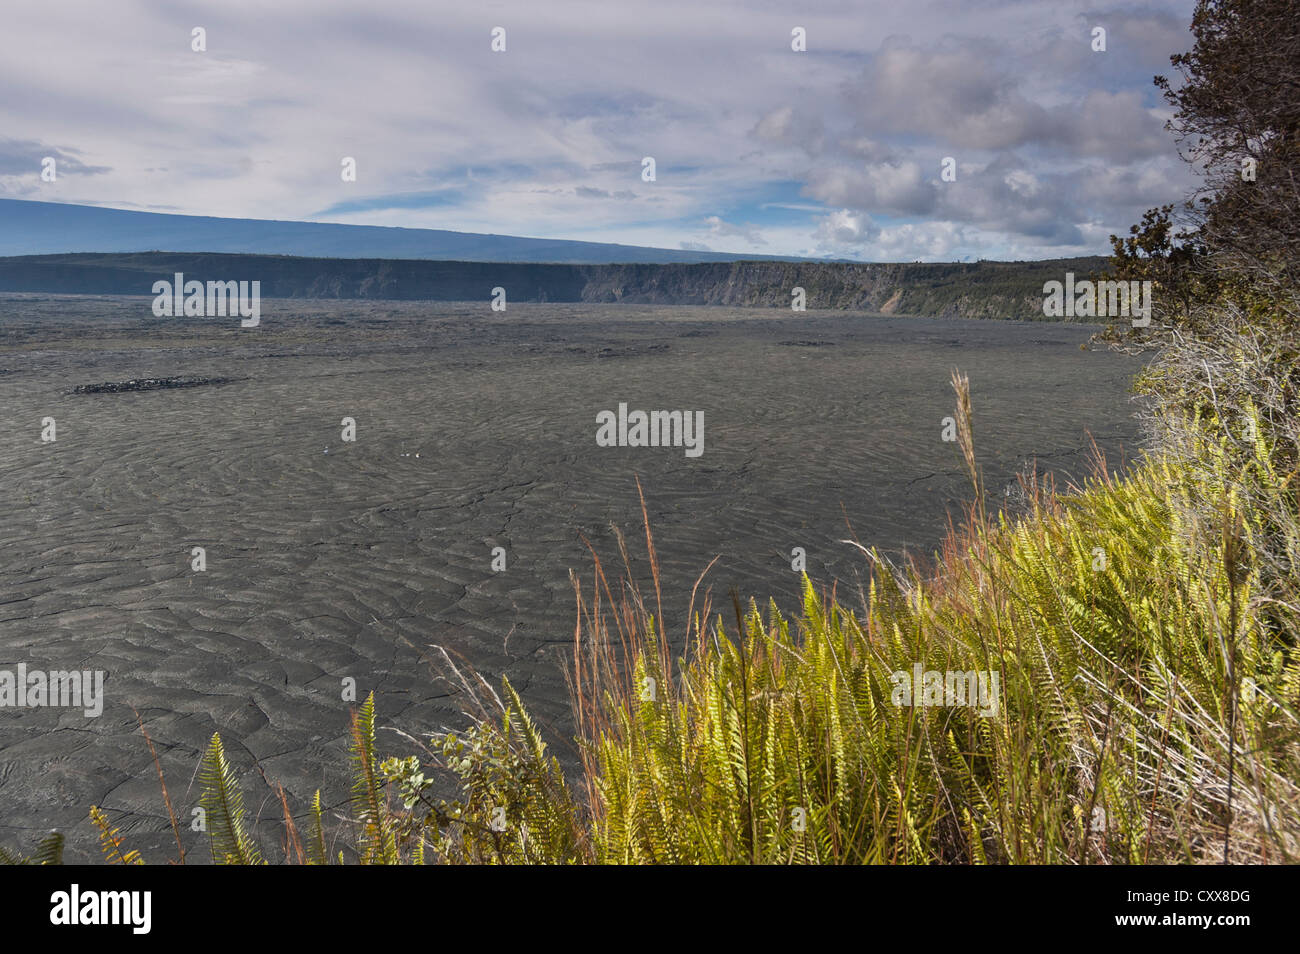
147, 384
631, 351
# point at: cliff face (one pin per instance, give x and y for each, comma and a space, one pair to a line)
745, 284
966, 290
962, 290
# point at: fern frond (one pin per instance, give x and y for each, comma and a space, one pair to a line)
110, 840
50, 850
376, 843
317, 853
223, 805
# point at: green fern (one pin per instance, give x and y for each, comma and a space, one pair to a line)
49, 851
317, 853
223, 806
376, 843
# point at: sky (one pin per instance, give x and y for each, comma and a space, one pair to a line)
835, 151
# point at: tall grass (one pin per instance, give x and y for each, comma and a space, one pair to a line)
1145, 713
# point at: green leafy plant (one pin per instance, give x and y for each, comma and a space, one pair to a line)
223, 805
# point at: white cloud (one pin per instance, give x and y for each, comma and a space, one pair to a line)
1052, 142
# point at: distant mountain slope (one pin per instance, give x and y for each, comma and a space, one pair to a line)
974, 290
48, 228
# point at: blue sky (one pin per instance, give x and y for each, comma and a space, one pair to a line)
835, 151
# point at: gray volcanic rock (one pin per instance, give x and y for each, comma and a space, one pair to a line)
329, 560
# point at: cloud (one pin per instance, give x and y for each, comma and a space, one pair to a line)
960, 95
20, 157
587, 192
953, 92
896, 186
851, 235
721, 229
789, 126
845, 228
1115, 126
755, 145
